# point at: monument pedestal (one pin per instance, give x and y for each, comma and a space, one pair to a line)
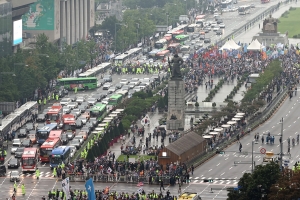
271, 38
176, 104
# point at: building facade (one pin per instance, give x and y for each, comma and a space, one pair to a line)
61, 20
6, 28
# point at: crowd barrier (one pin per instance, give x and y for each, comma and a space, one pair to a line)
109, 178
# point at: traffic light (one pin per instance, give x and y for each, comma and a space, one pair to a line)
208, 180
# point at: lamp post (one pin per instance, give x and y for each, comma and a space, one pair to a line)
281, 142
116, 33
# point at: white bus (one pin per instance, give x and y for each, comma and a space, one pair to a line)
161, 44
243, 10
95, 71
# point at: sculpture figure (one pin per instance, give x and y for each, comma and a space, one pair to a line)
177, 62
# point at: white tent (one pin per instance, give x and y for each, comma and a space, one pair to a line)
254, 46
234, 45
226, 46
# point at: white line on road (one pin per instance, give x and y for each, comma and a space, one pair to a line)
230, 168
226, 158
209, 170
218, 164
248, 143
222, 173
33, 189
273, 126
289, 125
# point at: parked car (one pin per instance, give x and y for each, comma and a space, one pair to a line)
32, 137
66, 109
207, 40
16, 143
65, 101
112, 90
80, 99
222, 25
124, 81
76, 143
13, 163
19, 152
70, 135
77, 111
82, 108
83, 119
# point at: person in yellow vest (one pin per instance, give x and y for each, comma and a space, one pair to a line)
40, 101
54, 172
62, 165
23, 189
37, 173
82, 154
45, 101
56, 97
49, 97
75, 90
53, 96
15, 187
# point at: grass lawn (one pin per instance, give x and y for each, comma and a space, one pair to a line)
142, 157
290, 22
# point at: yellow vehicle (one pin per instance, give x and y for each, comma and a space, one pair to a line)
269, 157
190, 196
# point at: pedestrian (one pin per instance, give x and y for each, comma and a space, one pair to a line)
259, 26
262, 139
54, 172
161, 185
23, 189
15, 187
240, 148
37, 173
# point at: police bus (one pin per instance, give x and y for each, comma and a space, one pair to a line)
43, 133
60, 155
96, 70
243, 10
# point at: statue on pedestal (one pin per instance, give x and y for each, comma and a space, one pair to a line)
177, 62
270, 25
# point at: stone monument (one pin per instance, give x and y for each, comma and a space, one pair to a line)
269, 34
176, 101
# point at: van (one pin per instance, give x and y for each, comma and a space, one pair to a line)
107, 78
185, 49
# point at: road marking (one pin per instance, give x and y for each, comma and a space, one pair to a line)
294, 122
273, 126
222, 173
289, 125
33, 189
230, 168
209, 170
218, 164
226, 158
248, 143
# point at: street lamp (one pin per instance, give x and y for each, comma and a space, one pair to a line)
116, 33
281, 142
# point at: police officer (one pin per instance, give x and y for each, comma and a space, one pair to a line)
37, 173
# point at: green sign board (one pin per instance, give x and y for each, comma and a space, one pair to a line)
40, 16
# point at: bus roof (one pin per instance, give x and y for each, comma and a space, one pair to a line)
163, 52
179, 37
200, 16
54, 109
68, 118
29, 152
98, 107
50, 142
81, 78
115, 96
60, 150
55, 134
174, 45
48, 127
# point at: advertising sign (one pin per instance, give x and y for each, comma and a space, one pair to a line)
17, 32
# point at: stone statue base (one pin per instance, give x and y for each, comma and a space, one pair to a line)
176, 104
271, 38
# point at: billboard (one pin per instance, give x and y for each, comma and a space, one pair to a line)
17, 32
40, 16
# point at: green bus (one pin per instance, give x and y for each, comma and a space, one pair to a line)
115, 99
98, 111
182, 38
85, 83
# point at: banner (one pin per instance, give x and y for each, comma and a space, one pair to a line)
65, 184
89, 186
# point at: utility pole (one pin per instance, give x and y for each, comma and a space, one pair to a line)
252, 157
281, 143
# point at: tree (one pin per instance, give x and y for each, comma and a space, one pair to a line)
287, 186
252, 186
109, 24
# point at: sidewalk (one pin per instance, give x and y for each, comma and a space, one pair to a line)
202, 92
224, 91
248, 35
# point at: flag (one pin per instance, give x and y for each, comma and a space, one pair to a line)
109, 170
89, 187
65, 184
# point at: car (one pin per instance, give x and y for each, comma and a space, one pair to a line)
79, 123
16, 143
219, 21
106, 86
112, 90
73, 97
19, 152
87, 129
86, 115
125, 87
41, 118
14, 176
32, 137
13, 163
80, 99
105, 100
72, 105
124, 81
107, 78
65, 101
84, 134
82, 108
64, 139
137, 89
119, 85
219, 32
207, 40
222, 25
40, 126
136, 81
195, 35
91, 101
131, 85
70, 135
73, 151
23, 132
206, 30
94, 121
29, 126
202, 37
27, 142
79, 138
216, 28
66, 109
98, 97
77, 111
252, 5
213, 24
143, 86
89, 125
83, 119
75, 143
101, 82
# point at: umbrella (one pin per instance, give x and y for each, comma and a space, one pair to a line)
236, 119
238, 116
213, 133
242, 114
225, 125
218, 129
231, 122
207, 136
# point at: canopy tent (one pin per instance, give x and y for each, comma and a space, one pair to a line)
226, 46
225, 125
213, 133
236, 119
218, 129
231, 122
254, 46
238, 116
234, 45
207, 136
242, 114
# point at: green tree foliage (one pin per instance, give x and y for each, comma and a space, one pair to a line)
109, 24
273, 70
252, 186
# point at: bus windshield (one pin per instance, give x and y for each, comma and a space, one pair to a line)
56, 159
28, 161
45, 152
42, 135
69, 127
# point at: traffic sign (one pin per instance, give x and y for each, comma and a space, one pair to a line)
262, 150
